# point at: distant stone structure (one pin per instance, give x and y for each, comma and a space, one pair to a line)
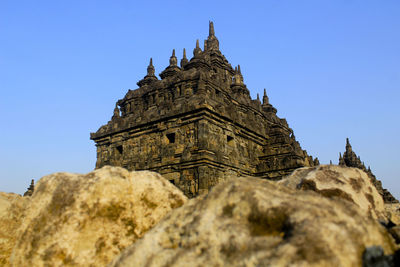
198, 124
350, 159
30, 189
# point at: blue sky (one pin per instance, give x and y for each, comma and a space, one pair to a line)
331, 68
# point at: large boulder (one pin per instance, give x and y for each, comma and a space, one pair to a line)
347, 183
12, 208
393, 212
85, 220
254, 222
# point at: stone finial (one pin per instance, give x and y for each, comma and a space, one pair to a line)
212, 42
237, 77
173, 60
330, 162
258, 97
116, 112
341, 160
184, 60
150, 68
265, 98
150, 77
348, 146
197, 50
211, 29
30, 189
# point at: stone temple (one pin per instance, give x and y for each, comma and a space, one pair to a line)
350, 159
197, 124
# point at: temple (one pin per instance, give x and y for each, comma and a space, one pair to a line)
350, 159
197, 124
30, 189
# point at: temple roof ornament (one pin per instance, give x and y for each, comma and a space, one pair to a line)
197, 51
150, 68
212, 41
172, 69
184, 59
173, 60
150, 77
265, 98
30, 189
350, 159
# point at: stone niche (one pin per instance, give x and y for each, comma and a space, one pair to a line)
198, 124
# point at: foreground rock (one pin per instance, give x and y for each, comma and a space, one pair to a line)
85, 220
393, 212
12, 208
253, 222
351, 184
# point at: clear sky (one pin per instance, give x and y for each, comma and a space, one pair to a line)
331, 68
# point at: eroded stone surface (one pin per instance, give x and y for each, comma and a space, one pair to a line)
350, 159
351, 184
85, 220
393, 212
254, 222
12, 208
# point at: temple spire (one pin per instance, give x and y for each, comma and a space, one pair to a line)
341, 160
184, 59
173, 60
237, 77
150, 77
212, 42
150, 68
211, 29
116, 112
30, 189
265, 98
197, 50
348, 146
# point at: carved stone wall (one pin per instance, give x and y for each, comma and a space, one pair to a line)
197, 125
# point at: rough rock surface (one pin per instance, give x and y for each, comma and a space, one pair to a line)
85, 220
351, 184
11, 213
254, 222
393, 212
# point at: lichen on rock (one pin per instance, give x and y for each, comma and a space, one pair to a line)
254, 222
350, 184
12, 207
86, 220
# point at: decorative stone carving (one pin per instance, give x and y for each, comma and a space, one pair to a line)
199, 123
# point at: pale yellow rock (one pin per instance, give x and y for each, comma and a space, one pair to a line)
351, 184
12, 208
85, 220
393, 212
254, 222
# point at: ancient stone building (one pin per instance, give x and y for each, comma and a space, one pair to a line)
198, 124
350, 159
30, 189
